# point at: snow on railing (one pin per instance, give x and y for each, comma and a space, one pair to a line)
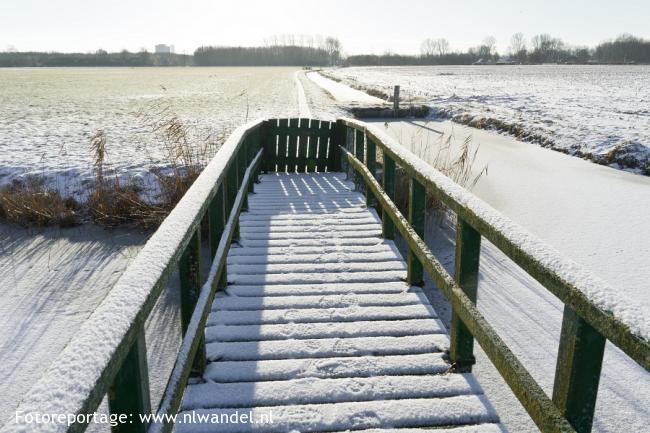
108, 352
593, 313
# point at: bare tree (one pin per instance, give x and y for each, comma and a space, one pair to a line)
333, 48
490, 44
427, 48
517, 44
434, 47
442, 46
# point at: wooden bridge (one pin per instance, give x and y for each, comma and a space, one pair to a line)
309, 319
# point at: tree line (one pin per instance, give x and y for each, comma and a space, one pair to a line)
285, 50
98, 58
541, 48
301, 50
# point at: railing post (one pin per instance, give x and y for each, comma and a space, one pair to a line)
371, 163
217, 220
577, 373
129, 392
358, 153
189, 268
242, 164
468, 250
232, 185
387, 225
416, 219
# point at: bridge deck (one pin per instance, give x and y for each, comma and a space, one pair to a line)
318, 329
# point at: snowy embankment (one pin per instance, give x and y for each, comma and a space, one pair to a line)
600, 113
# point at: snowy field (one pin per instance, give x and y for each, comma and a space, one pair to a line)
590, 111
48, 115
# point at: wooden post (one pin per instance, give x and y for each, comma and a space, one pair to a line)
129, 392
387, 225
358, 153
396, 102
577, 373
232, 185
371, 163
416, 219
189, 268
216, 221
468, 249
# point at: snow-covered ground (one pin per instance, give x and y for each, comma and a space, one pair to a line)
342, 92
48, 115
598, 112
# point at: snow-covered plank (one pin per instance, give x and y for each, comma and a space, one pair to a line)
424, 412
289, 211
339, 277
477, 428
319, 243
318, 227
327, 221
295, 250
375, 328
316, 289
315, 390
225, 301
314, 256
316, 268
338, 366
349, 313
309, 234
325, 347
277, 217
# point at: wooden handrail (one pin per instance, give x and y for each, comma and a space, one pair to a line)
107, 354
586, 325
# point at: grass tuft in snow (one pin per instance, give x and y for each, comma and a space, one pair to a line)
31, 203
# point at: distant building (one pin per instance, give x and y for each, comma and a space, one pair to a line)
164, 49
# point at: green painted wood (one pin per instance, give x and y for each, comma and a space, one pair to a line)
283, 145
577, 373
232, 186
371, 163
216, 220
610, 326
532, 397
417, 206
189, 269
171, 400
270, 140
292, 158
468, 250
312, 150
129, 393
387, 225
303, 146
330, 146
359, 151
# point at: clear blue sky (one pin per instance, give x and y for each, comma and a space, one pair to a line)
362, 26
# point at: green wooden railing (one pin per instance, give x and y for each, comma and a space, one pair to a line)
108, 354
585, 325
